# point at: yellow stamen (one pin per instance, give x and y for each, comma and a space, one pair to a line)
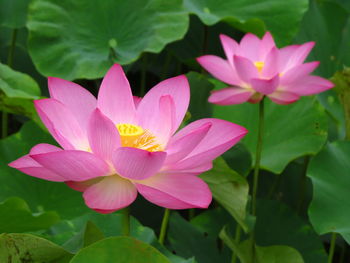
136, 137
259, 65
129, 130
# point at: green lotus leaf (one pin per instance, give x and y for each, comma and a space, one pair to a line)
329, 172
282, 18
81, 39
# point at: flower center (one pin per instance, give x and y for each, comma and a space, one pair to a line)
129, 130
259, 65
134, 136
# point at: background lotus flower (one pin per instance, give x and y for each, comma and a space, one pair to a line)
112, 150
256, 67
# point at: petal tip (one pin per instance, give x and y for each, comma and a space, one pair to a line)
223, 37
13, 164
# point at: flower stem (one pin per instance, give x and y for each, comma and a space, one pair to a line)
256, 169
258, 155
331, 249
12, 48
164, 226
4, 119
126, 221
237, 240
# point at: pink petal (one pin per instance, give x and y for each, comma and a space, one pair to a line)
298, 72
137, 101
265, 86
220, 69
283, 97
111, 194
103, 136
266, 44
62, 124
310, 85
83, 185
137, 164
301, 53
181, 146
27, 165
161, 120
221, 136
284, 54
195, 170
249, 47
44, 148
73, 165
175, 191
198, 169
271, 66
294, 55
245, 68
177, 87
77, 99
230, 47
115, 98
229, 96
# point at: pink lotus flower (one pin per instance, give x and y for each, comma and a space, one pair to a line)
255, 68
113, 149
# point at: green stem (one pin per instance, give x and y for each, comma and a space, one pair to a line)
126, 221
256, 169
332, 247
258, 155
164, 226
4, 119
12, 48
143, 75
237, 240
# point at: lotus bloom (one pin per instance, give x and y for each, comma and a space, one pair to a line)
256, 68
113, 149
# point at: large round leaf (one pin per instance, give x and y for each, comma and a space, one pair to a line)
119, 250
81, 39
290, 131
330, 208
29, 248
17, 92
13, 13
17, 85
280, 17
